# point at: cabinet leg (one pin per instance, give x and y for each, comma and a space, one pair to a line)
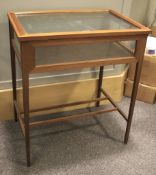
99, 84
26, 115
13, 69
132, 104
140, 47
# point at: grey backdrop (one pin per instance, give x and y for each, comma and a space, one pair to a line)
123, 6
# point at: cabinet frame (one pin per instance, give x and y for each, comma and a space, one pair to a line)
26, 59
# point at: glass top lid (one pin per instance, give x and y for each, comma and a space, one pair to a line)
72, 22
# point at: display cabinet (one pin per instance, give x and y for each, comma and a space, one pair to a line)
46, 41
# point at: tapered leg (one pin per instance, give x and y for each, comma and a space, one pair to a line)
99, 84
140, 47
26, 115
13, 69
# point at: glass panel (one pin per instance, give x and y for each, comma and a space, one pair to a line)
70, 22
75, 75
16, 41
129, 45
79, 52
